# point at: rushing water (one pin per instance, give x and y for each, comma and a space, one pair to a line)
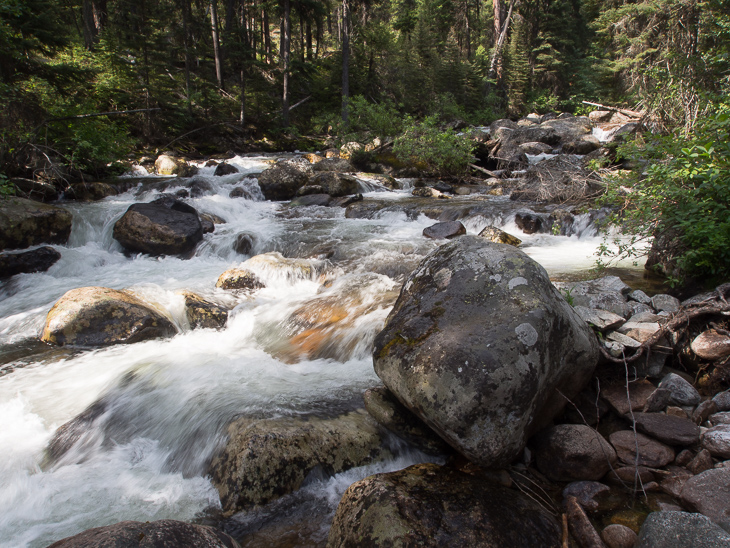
164, 404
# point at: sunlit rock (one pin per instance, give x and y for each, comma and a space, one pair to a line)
483, 348
99, 316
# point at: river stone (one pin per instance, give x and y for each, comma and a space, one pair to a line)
494, 234
639, 331
717, 441
709, 493
529, 222
202, 313
99, 316
334, 165
638, 395
433, 506
150, 534
24, 223
600, 319
282, 181
668, 429
681, 530
585, 492
385, 408
701, 462
722, 417
585, 145
163, 227
26, 262
683, 393
171, 165
336, 184
266, 459
711, 345
483, 348
651, 452
722, 400
238, 278
90, 192
703, 411
658, 401
618, 536
448, 230
573, 452
225, 169
664, 302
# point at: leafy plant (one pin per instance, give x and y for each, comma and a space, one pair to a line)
440, 152
683, 196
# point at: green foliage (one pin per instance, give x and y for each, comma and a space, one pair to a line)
370, 120
685, 188
437, 151
7, 188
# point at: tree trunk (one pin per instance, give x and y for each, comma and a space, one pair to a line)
345, 61
286, 44
309, 40
497, 33
495, 67
94, 19
186, 41
267, 36
216, 43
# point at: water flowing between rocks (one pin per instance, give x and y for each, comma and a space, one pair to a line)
301, 346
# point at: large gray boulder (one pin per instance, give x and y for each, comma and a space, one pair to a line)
154, 534
681, 530
432, 506
709, 493
99, 316
483, 348
163, 227
266, 459
282, 181
24, 223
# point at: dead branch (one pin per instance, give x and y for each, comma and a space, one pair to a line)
624, 111
482, 170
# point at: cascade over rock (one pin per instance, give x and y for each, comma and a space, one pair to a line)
24, 223
483, 348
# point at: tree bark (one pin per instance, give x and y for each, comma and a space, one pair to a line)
216, 43
497, 33
267, 35
495, 67
94, 18
286, 45
345, 61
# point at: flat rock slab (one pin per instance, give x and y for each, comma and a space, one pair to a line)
640, 331
668, 429
446, 230
709, 493
266, 459
433, 506
681, 530
151, 534
651, 452
638, 395
600, 319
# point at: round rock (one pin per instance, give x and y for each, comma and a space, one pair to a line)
433, 506
99, 316
651, 452
483, 348
573, 452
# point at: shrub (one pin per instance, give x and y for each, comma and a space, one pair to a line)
436, 151
683, 190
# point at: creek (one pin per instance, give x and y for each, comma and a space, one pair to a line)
167, 402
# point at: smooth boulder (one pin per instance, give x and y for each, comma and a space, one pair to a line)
282, 181
266, 459
99, 316
26, 262
150, 534
163, 227
433, 506
24, 223
483, 348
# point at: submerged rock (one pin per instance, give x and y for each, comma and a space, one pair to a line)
150, 534
483, 348
163, 227
99, 316
37, 260
433, 506
225, 169
202, 313
24, 223
266, 459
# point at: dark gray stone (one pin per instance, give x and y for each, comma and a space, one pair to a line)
572, 452
26, 262
446, 230
225, 169
709, 493
668, 429
651, 452
322, 200
681, 530
683, 393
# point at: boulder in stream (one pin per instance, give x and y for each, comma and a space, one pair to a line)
483, 348
172, 165
37, 260
335, 184
24, 223
282, 181
266, 459
238, 278
150, 534
163, 227
432, 506
202, 313
99, 316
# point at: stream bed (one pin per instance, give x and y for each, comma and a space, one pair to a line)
167, 402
